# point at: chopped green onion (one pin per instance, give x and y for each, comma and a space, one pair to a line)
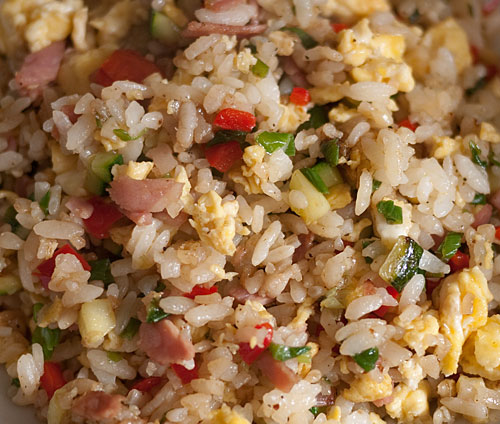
402, 263
331, 151
10, 218
480, 83
44, 202
260, 69
329, 174
318, 117
131, 329
376, 185
48, 338
15, 382
450, 245
393, 214
315, 179
114, 356
273, 141
475, 153
479, 199
493, 161
103, 162
223, 136
307, 41
284, 353
125, 136
316, 410
367, 359
36, 309
155, 312
160, 287
101, 270
305, 358
364, 244
98, 122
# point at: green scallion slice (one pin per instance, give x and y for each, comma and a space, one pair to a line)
103, 162
318, 117
479, 199
131, 329
48, 338
101, 270
307, 41
273, 141
284, 353
44, 202
331, 151
155, 312
475, 153
393, 214
450, 245
315, 179
367, 359
260, 69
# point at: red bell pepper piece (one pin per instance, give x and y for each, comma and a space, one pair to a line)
147, 384
126, 65
223, 156
380, 312
184, 374
52, 378
337, 26
46, 268
233, 119
200, 291
103, 217
474, 51
408, 124
249, 354
490, 6
300, 96
497, 232
459, 261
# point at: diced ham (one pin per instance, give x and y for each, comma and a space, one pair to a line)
282, 377
40, 68
306, 241
69, 111
495, 199
241, 295
139, 218
197, 29
483, 215
164, 344
294, 72
98, 406
140, 196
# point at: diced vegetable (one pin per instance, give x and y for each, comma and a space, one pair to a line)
125, 136
250, 354
163, 29
102, 219
408, 124
307, 41
367, 359
155, 313
497, 232
337, 26
272, 141
459, 261
131, 329
200, 291
233, 119
318, 117
94, 185
223, 136
402, 263
315, 179
9, 284
124, 65
284, 353
10, 218
114, 356
376, 185
44, 202
36, 309
260, 69
475, 153
101, 270
48, 338
103, 162
95, 320
184, 374
223, 156
479, 199
339, 196
147, 384
450, 245
317, 205
393, 214
329, 174
52, 378
331, 151
300, 96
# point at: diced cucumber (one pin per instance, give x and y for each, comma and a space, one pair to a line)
94, 184
102, 164
402, 263
329, 174
317, 205
163, 29
9, 284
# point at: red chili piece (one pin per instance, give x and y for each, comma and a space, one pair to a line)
300, 96
52, 378
223, 156
103, 217
127, 65
337, 27
380, 312
497, 232
408, 124
46, 268
250, 355
200, 291
147, 384
233, 119
184, 374
459, 261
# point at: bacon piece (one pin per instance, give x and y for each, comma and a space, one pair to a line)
198, 29
306, 241
98, 406
282, 377
483, 215
164, 344
139, 196
39, 69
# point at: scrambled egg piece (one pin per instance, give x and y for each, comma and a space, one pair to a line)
349, 9
215, 222
244, 60
481, 353
389, 233
330, 94
489, 133
376, 57
293, 115
445, 146
226, 415
341, 113
459, 289
365, 389
38, 22
283, 41
134, 170
409, 404
303, 313
420, 333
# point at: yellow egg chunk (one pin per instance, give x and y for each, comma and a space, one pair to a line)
489, 133
96, 319
469, 286
293, 115
349, 9
420, 333
226, 415
444, 146
365, 389
407, 405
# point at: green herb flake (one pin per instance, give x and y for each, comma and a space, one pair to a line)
101, 270
98, 122
480, 83
479, 199
475, 153
307, 41
260, 69
131, 329
36, 309
376, 185
331, 151
450, 245
316, 410
367, 359
125, 136
155, 312
393, 214
44, 202
15, 382
284, 353
272, 141
48, 338
317, 117
114, 356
